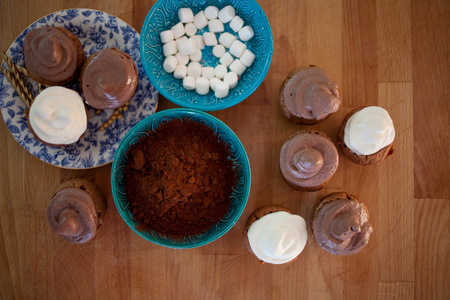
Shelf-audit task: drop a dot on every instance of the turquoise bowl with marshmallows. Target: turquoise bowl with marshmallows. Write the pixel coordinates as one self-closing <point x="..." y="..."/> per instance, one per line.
<point x="164" y="14"/>
<point x="237" y="155"/>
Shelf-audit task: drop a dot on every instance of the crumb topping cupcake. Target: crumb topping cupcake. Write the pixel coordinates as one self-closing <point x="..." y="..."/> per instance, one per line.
<point x="108" y="78"/>
<point x="366" y="135"/>
<point x="308" y="160"/>
<point x="340" y="224"/>
<point x="58" y="116"/>
<point x="53" y="55"/>
<point x="309" y="96"/>
<point x="275" y="235"/>
<point x="76" y="211"/>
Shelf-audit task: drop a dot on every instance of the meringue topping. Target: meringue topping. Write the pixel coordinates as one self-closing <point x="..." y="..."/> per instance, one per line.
<point x="369" y="130"/>
<point x="278" y="237"/>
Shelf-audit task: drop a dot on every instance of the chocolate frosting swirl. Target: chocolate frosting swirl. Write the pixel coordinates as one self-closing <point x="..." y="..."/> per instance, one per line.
<point x="308" y="159"/>
<point x="342" y="226"/>
<point x="72" y="215"/>
<point x="51" y="54"/>
<point x="311" y="94"/>
<point x="108" y="79"/>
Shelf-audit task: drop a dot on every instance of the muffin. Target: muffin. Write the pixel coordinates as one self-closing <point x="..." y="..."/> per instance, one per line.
<point x="275" y="235"/>
<point x="57" y="116"/>
<point x="309" y="96"/>
<point x="108" y="78"/>
<point x="340" y="224"/>
<point x="366" y="135"/>
<point x="308" y="160"/>
<point x="76" y="211"/>
<point x="53" y="55"/>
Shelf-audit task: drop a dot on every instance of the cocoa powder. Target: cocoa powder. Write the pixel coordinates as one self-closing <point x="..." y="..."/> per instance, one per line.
<point x="178" y="179"/>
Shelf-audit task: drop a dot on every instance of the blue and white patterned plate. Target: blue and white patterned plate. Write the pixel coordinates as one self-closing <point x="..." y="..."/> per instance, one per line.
<point x="96" y="30"/>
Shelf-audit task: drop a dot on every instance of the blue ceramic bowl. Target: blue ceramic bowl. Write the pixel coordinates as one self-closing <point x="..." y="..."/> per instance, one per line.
<point x="164" y="14"/>
<point x="237" y="155"/>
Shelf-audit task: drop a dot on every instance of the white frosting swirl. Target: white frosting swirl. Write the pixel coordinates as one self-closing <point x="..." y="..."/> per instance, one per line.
<point x="58" y="116"/>
<point x="369" y="130"/>
<point x="278" y="237"/>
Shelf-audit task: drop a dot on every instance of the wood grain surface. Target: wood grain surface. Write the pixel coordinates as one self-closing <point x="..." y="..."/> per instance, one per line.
<point x="394" y="54"/>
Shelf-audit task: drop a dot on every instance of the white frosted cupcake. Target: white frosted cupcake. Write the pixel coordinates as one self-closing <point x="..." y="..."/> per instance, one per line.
<point x="58" y="116"/>
<point x="275" y="235"/>
<point x="366" y="135"/>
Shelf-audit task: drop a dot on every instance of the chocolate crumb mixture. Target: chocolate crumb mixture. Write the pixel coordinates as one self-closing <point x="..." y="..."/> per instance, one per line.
<point x="178" y="180"/>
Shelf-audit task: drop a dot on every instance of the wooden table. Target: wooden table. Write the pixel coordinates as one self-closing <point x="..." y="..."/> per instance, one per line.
<point x="394" y="54"/>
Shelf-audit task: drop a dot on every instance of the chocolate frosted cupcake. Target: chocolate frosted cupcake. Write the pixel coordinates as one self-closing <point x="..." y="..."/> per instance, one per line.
<point x="108" y="78"/>
<point x="53" y="55"/>
<point x="76" y="211"/>
<point x="309" y="96"/>
<point x="340" y="224"/>
<point x="275" y="235"/>
<point x="366" y="135"/>
<point x="308" y="160"/>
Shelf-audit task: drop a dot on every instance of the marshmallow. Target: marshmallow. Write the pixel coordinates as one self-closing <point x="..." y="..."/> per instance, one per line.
<point x="190" y="29"/>
<point x="226" y="14"/>
<point x="208" y="72"/>
<point x="180" y="72"/>
<point x="178" y="30"/>
<point x="215" y="25"/>
<point x="202" y="85"/>
<point x="226" y="59"/>
<point x="166" y="36"/>
<point x="246" y="33"/>
<point x="185" y="15"/>
<point x="200" y="20"/>
<point x="187" y="46"/>
<point x="170" y="63"/>
<point x="170" y="48"/>
<point x="196" y="56"/>
<point x="236" y="23"/>
<point x="218" y="51"/>
<point x="183" y="59"/>
<point x="220" y="71"/>
<point x="194" y="69"/>
<point x="237" y="48"/>
<point x="213" y="82"/>
<point x="247" y="58"/>
<point x="180" y="39"/>
<point x="227" y="39"/>
<point x="222" y="89"/>
<point x="210" y="38"/>
<point x="237" y="67"/>
<point x="199" y="40"/>
<point x="231" y="78"/>
<point x="189" y="83"/>
<point x="211" y="12"/>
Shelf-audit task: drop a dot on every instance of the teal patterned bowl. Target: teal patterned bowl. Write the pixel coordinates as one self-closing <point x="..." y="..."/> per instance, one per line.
<point x="164" y="14"/>
<point x="237" y="155"/>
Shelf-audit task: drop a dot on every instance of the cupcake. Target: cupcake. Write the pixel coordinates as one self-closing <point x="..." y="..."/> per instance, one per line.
<point x="275" y="235"/>
<point x="57" y="116"/>
<point x="309" y="96"/>
<point x="366" y="135"/>
<point x="76" y="211"/>
<point x="108" y="78"/>
<point x="53" y="55"/>
<point x="340" y="224"/>
<point x="308" y="160"/>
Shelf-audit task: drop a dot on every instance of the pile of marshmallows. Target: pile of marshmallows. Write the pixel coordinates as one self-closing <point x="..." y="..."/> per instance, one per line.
<point x="182" y="49"/>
